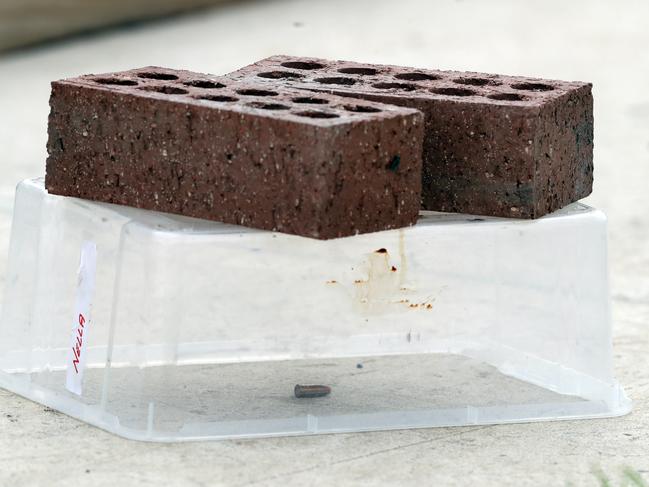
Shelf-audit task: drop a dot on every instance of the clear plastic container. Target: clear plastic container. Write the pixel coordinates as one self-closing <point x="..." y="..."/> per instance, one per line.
<point x="200" y="330"/>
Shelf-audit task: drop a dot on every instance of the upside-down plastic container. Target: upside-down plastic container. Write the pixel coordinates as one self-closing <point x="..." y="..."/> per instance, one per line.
<point x="165" y="328"/>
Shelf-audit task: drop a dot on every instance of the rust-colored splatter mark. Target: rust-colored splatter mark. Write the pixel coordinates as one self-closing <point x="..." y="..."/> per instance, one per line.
<point x="378" y="290"/>
<point x="386" y="284"/>
<point x="333" y="281"/>
<point x="427" y="304"/>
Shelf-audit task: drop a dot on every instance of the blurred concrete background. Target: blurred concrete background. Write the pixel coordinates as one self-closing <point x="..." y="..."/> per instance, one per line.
<point x="596" y="41"/>
<point x="29" y="22"/>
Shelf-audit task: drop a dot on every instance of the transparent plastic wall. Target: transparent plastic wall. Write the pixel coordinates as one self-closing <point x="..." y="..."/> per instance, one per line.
<point x="201" y="330"/>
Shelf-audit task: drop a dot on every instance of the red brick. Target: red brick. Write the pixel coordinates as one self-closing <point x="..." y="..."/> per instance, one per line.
<point x="236" y="152"/>
<point x="493" y="144"/>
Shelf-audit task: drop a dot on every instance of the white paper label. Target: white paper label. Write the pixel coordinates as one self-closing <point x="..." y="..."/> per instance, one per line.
<point x="81" y="323"/>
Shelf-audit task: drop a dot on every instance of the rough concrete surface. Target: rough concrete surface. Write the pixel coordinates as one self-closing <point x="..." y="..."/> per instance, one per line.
<point x="590" y="41"/>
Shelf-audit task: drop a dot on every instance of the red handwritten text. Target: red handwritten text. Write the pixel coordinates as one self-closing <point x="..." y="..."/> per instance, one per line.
<point x="76" y="349"/>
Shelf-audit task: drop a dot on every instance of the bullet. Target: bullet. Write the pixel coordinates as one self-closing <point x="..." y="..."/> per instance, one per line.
<point x="311" y="390"/>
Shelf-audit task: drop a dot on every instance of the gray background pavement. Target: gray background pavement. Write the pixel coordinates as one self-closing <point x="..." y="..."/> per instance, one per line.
<point x="594" y="41"/>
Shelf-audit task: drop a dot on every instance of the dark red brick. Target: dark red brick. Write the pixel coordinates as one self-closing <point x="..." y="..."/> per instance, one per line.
<point x="266" y="157"/>
<point x="493" y="145"/>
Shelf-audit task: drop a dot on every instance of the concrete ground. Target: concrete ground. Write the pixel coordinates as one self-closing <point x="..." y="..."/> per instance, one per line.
<point x="586" y="40"/>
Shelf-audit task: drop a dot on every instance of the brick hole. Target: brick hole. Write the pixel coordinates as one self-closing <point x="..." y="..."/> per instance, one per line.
<point x="222" y="98"/>
<point x="532" y="86"/>
<point x="115" y="81"/>
<point x="336" y="80"/>
<point x="453" y="91"/>
<point x="302" y="65"/>
<point x="166" y="89"/>
<point x="361" y="109"/>
<point x="310" y="99"/>
<point x="474" y="81"/>
<point x="507" y="96"/>
<point x="160" y="76"/>
<point x="361" y="71"/>
<point x="395" y="86"/>
<point x="204" y="83"/>
<point x="267" y="106"/>
<point x="314" y="114"/>
<point x="416" y="76"/>
<point x="280" y="75"/>
<point x="256" y="92"/>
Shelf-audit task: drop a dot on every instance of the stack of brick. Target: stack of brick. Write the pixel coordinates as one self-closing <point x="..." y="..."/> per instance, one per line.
<point x="321" y="148"/>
